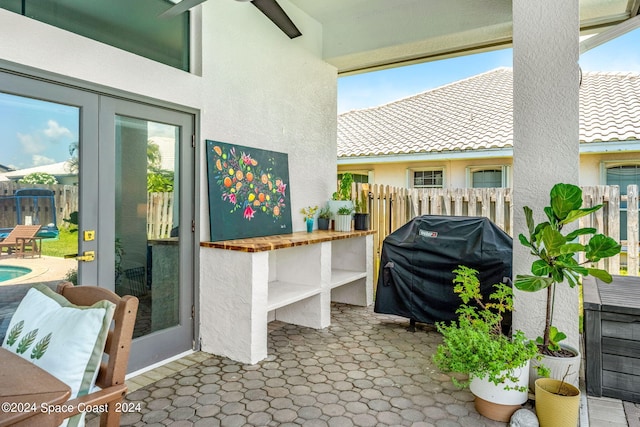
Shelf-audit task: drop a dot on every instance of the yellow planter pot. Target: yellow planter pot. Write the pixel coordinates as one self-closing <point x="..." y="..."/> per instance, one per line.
<point x="557" y="409"/>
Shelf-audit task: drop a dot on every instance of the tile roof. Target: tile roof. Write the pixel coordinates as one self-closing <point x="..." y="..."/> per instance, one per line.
<point x="477" y="113"/>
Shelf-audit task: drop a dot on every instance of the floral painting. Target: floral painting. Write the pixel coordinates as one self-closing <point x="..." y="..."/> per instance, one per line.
<point x="248" y="191"/>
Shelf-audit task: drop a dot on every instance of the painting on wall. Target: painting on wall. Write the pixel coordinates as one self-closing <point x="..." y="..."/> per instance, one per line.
<point x="248" y="191"/>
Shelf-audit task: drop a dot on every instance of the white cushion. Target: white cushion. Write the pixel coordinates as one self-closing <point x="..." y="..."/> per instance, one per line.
<point x="64" y="339"/>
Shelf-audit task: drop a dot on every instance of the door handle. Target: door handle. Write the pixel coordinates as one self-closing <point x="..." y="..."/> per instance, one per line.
<point x="86" y="256"/>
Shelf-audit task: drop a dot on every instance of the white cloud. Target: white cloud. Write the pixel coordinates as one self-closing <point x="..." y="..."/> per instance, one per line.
<point x="31" y="144"/>
<point x="55" y="131"/>
<point x="161" y="130"/>
<point x="39" y="160"/>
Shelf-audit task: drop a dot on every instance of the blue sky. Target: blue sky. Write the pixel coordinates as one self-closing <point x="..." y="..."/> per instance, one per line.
<point x="35" y="133"/>
<point x="380" y="87"/>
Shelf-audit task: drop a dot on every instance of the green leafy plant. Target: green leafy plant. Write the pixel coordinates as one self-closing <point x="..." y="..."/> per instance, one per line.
<point x="72" y="276"/>
<point x="324" y="213"/>
<point x="160" y="181"/>
<point x="475" y="344"/>
<point x="345" y="210"/>
<point x="344" y="189"/>
<point x="556" y="253"/>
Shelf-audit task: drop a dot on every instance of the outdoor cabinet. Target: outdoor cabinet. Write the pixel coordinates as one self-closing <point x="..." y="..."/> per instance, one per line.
<point x="612" y="337"/>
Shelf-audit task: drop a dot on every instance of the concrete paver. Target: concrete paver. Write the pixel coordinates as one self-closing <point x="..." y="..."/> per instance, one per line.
<point x="366" y="369"/>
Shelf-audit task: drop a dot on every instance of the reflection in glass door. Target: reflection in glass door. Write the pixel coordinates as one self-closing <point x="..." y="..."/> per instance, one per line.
<point x="39" y="179"/>
<point x="146" y="227"/>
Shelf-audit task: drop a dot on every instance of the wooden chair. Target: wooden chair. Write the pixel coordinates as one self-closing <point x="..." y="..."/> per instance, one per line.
<point x="112" y="371"/>
<point x="21" y="238"/>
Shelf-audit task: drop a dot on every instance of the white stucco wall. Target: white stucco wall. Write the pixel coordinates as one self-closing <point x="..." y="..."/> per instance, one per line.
<point x="546" y="146"/>
<point x="257" y="88"/>
<point x="264" y="90"/>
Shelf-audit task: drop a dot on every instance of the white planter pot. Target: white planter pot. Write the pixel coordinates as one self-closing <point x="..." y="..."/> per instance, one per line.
<point x="343" y="223"/>
<point x="334" y="205"/>
<point x="491" y="392"/>
<point x="559" y="367"/>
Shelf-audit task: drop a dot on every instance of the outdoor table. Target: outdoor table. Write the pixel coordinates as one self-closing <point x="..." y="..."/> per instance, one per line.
<point x="26" y="389"/>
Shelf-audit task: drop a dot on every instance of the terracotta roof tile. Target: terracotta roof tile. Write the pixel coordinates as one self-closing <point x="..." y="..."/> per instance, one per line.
<point x="477" y="113"/>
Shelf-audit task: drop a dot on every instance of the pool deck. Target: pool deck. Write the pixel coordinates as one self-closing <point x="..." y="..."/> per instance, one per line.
<point x="44" y="269"/>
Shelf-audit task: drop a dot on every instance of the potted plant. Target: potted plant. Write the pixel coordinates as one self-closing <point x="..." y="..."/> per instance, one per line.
<point x="309" y="213"/>
<point x="557" y="403"/>
<point x="557" y="262"/>
<point x="343" y="218"/>
<point x="361" y="217"/>
<point x="497" y="365"/>
<point x="342" y="197"/>
<point x="324" y="217"/>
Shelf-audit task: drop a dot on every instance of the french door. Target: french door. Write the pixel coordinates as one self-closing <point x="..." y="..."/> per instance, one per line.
<point x="124" y="188"/>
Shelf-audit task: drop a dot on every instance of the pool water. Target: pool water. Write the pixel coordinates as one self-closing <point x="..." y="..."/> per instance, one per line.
<point x="8" y="272"/>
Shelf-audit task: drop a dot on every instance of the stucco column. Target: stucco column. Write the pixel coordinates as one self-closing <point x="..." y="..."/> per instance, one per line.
<point x="546" y="138"/>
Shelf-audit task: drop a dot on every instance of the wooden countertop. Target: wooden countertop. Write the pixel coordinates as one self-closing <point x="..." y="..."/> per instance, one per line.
<point x="281" y="241"/>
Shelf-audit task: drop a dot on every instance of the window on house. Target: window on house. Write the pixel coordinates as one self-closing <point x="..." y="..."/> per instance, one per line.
<point x="486" y="178"/>
<point x="623" y="176"/>
<point x="357" y="178"/>
<point x="133" y="26"/>
<point x="428" y="178"/>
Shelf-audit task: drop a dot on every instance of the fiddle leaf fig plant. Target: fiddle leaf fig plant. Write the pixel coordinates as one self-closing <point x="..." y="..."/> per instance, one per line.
<point x="556" y="253"/>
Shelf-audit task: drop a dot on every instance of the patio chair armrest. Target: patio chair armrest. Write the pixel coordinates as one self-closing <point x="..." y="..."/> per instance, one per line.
<point x="90" y="401"/>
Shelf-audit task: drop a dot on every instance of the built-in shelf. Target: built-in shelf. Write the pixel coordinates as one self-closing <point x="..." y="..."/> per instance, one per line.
<point x="291" y="278"/>
<point x="342" y="277"/>
<point x="285" y="293"/>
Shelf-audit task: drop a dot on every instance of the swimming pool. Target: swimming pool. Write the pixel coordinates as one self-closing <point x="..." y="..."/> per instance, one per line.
<point x="8" y="272"/>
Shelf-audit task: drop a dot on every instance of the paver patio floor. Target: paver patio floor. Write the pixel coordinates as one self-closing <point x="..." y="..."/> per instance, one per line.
<point x="365" y="369"/>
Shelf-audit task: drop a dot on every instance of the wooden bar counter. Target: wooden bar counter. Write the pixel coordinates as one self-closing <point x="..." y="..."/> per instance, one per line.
<point x="293" y="278"/>
<point x="282" y="241"/>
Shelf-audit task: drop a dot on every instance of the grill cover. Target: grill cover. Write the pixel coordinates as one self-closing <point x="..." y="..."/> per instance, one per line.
<point x="416" y="279"/>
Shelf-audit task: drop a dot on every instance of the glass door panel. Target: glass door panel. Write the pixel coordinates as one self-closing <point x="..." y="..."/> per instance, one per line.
<point x="146" y="229"/>
<point x="150" y="255"/>
<point x="39" y="183"/>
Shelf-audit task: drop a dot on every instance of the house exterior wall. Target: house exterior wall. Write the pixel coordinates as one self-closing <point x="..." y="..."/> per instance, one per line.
<point x="252" y="86"/>
<point x="395" y="174"/>
<point x="399" y="174"/>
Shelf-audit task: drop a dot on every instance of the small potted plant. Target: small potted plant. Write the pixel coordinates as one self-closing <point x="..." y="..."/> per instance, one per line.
<point x="343" y="218"/>
<point x="361" y="217"/>
<point x="309" y="214"/>
<point x="324" y="217"/>
<point x="496" y="365"/>
<point x="557" y="262"/>
<point x="557" y="402"/>
<point x="342" y="197"/>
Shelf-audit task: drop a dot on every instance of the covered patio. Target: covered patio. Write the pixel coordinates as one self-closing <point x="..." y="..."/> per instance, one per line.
<point x="251" y="85"/>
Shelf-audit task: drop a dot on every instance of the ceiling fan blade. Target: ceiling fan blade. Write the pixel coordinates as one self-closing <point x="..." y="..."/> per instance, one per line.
<point x="181" y="7"/>
<point x="278" y="16"/>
